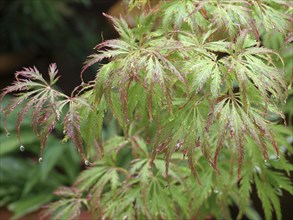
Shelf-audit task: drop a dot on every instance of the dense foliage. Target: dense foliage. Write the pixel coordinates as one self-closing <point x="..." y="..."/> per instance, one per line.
<point x="26" y="185"/>
<point x="195" y="93"/>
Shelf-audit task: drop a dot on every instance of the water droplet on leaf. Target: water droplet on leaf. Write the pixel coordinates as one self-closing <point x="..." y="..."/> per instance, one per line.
<point x="21" y="148"/>
<point x="40" y="160"/>
<point x="257" y="169"/>
<point x="279" y="191"/>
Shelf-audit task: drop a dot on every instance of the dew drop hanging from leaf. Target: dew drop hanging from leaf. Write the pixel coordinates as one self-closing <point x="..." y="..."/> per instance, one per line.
<point x="87" y="163"/>
<point x="21" y="148"/>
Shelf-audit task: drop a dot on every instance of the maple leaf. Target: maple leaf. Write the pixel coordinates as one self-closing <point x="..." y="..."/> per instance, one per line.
<point x="40" y="98"/>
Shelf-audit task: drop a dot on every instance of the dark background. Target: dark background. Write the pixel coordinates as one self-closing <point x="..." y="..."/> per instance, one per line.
<point x="30" y="36"/>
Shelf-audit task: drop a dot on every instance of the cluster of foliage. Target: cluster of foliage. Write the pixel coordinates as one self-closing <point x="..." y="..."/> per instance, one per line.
<point x="195" y="98"/>
<point x="26" y="185"/>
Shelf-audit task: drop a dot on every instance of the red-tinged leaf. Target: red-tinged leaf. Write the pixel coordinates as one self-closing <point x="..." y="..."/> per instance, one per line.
<point x="92" y="127"/>
<point x="220" y="142"/>
<point x="72" y="130"/>
<point x="9" y="108"/>
<point x="39" y="97"/>
<point x="150" y="101"/>
<point x="243" y="87"/>
<point x="114" y="44"/>
<point x="47" y="127"/>
<point x="66" y="208"/>
<point x="168" y="65"/>
<point x="53" y="71"/>
<point x="275" y="147"/>
<point x="121" y="27"/>
<point x="93" y="59"/>
<point x="124" y="99"/>
<point x="30" y="73"/>
<point x="157" y="148"/>
<point x="101" y="79"/>
<point x="67" y="192"/>
<point x="10" y="89"/>
<point x="170" y="149"/>
<point x="211" y="116"/>
<point x="241" y="39"/>
<point x="240" y="150"/>
<point x="98" y="144"/>
<point x="37" y="114"/>
<point x="207" y="154"/>
<point x="192" y="162"/>
<point x="23" y="113"/>
<point x="263" y="148"/>
<point x="115" y="106"/>
<point x="76" y="210"/>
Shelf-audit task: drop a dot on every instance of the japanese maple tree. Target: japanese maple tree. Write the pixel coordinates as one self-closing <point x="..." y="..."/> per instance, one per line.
<point x="196" y="98"/>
